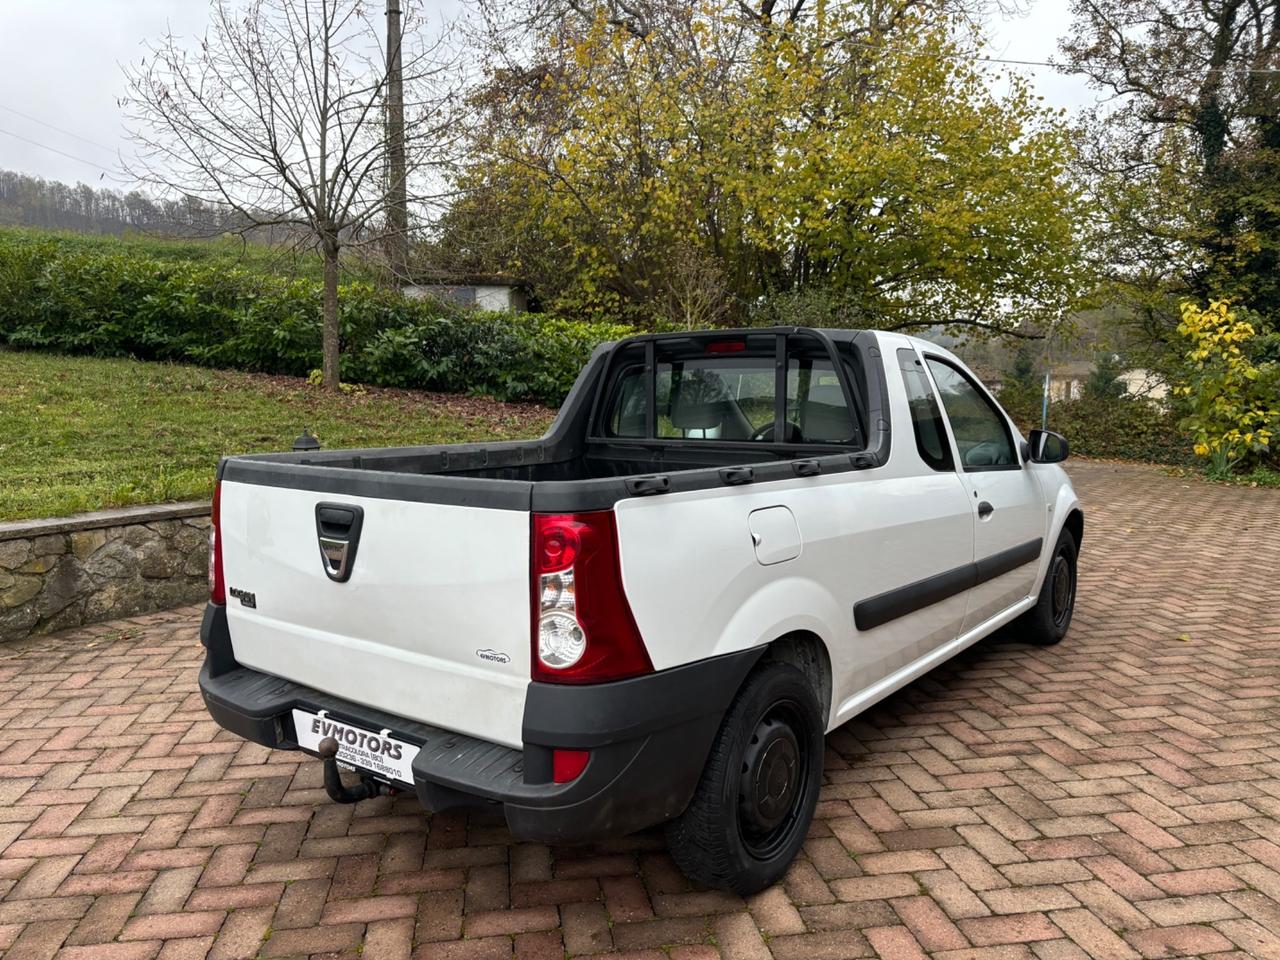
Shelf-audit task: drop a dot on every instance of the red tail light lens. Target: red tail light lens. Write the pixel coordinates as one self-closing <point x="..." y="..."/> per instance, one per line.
<point x="559" y="540"/>
<point x="583" y="628"/>
<point x="567" y="765"/>
<point x="217" y="583"/>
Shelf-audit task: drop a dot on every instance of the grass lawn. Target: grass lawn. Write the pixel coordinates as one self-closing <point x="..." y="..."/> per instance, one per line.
<point x="81" y="434"/>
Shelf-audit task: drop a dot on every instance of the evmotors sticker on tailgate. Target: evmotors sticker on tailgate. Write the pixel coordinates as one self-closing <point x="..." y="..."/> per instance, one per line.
<point x="377" y="753"/>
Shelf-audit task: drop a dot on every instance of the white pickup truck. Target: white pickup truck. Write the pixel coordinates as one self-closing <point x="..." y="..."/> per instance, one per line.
<point x="727" y="544"/>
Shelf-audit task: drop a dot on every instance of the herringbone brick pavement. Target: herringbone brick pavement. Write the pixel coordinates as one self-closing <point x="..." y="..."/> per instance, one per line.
<point x="1115" y="796"/>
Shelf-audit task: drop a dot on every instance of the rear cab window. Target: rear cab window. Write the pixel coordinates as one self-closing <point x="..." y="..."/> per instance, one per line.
<point x="729" y="391"/>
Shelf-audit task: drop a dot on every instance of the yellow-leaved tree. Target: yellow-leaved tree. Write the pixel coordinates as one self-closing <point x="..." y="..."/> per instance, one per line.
<point x="830" y="167"/>
<point x="1233" y="401"/>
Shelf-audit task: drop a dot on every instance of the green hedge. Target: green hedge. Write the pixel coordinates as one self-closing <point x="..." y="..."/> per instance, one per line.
<point x="1113" y="428"/>
<point x="53" y="297"/>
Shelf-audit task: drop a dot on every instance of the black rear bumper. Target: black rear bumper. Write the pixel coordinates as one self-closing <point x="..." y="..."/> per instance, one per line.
<point x="648" y="736"/>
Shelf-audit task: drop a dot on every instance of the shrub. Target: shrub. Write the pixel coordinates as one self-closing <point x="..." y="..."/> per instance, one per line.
<point x="59" y="297"/>
<point x="1233" y="400"/>
<point x="1113" y="428"/>
<point x="1120" y="428"/>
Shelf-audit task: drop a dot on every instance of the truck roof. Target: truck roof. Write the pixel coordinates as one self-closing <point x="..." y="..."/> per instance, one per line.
<point x="832" y="334"/>
<point x="720" y="333"/>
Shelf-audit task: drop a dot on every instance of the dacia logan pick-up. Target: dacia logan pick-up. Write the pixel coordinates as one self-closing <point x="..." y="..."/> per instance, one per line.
<point x="727" y="544"/>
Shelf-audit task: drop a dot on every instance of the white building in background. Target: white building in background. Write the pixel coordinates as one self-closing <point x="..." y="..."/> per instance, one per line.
<point x="1066" y="380"/>
<point x="1144" y="383"/>
<point x="480" y="293"/>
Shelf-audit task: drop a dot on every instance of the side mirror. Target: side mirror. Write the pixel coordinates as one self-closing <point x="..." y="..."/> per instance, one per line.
<point x="1047" y="446"/>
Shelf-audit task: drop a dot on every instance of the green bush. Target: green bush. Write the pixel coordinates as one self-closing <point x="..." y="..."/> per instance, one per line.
<point x="1113" y="428"/>
<point x="1121" y="428"/>
<point x="58" y="297"/>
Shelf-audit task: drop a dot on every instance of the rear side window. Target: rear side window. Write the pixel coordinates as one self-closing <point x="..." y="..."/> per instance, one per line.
<point x="982" y="436"/>
<point x="628" y="402"/>
<point x="926" y="416"/>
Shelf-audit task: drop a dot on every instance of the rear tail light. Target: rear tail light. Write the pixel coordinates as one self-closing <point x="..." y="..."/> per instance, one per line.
<point x="583" y="629"/>
<point x="217" y="583"/>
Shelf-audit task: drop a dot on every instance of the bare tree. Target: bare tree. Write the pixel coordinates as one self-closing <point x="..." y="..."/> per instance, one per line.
<point x="277" y="116"/>
<point x="694" y="288"/>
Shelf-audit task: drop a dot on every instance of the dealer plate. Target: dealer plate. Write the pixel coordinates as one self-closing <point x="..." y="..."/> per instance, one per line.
<point x="371" y="751"/>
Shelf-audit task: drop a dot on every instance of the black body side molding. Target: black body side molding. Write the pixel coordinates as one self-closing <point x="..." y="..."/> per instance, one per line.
<point x="892" y="604"/>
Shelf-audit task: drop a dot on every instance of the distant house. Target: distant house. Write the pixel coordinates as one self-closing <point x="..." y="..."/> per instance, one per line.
<point x="1144" y="383"/>
<point x="1068" y="379"/>
<point x="478" y="292"/>
<point x="1066" y="382"/>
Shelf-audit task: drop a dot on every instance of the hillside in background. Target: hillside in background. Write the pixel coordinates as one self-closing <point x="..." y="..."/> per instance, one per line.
<point x="34" y="202"/>
<point x="215" y="251"/>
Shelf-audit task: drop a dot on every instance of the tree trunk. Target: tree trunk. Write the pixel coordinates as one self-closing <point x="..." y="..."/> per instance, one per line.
<point x="332" y="374"/>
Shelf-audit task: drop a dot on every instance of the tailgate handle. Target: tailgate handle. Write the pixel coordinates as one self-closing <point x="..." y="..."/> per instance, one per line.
<point x="338" y="531"/>
<point x="334" y="521"/>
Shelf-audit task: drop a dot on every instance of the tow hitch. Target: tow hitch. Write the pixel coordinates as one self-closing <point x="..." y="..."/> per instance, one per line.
<point x="338" y="793"/>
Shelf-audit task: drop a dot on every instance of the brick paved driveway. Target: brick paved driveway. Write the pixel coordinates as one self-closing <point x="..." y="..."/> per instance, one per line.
<point x="1117" y="796"/>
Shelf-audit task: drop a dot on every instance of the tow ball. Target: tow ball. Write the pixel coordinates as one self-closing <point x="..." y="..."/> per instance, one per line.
<point x="338" y="793"/>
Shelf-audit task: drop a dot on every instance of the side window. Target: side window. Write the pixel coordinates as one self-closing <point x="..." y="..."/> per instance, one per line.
<point x="981" y="433"/>
<point x="629" y="403"/>
<point x="926" y="418"/>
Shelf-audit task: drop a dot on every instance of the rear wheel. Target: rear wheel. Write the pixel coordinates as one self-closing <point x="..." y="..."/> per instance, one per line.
<point x="755" y="801"/>
<point x="1048" y="621"/>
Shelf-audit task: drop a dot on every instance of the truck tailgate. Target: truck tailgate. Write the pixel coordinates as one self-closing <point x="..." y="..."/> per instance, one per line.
<point x="433" y="623"/>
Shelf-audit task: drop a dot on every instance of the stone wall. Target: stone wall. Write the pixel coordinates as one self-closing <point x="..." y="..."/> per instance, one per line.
<point x="68" y="571"/>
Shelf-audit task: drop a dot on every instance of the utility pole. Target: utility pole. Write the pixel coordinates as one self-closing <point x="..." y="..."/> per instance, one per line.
<point x="397" y="202"/>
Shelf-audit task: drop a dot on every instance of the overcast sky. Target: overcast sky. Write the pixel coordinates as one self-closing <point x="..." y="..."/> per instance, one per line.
<point x="60" y="68"/>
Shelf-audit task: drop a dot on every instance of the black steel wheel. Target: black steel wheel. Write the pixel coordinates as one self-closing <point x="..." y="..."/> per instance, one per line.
<point x="1062" y="582"/>
<point x="752" y="808"/>
<point x="1048" y="621"/>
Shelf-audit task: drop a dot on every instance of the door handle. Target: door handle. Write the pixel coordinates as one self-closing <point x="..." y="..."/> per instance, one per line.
<point x="985" y="509"/>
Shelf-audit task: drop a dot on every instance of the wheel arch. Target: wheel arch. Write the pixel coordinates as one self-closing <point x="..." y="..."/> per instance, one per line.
<point x="807" y="652"/>
<point x="1075" y="523"/>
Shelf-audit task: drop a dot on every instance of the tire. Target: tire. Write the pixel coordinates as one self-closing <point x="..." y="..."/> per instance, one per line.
<point x="742" y="840"/>
<point x="1049" y="620"/>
